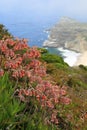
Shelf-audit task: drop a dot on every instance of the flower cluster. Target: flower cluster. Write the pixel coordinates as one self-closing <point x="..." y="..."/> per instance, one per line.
<point x="48" y="96"/>
<point x="22" y="62"/>
<point x="13" y="64"/>
<point x="19" y="46"/>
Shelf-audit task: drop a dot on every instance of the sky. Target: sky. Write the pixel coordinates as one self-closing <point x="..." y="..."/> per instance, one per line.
<point x="16" y="10"/>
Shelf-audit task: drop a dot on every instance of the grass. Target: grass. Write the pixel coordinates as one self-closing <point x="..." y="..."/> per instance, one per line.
<point x="76" y="80"/>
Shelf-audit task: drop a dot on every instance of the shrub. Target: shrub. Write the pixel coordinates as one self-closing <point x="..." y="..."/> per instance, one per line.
<point x="31" y="83"/>
<point x="83" y="67"/>
<point x="43" y="50"/>
<point x="4" y="32"/>
<point x="52" y="58"/>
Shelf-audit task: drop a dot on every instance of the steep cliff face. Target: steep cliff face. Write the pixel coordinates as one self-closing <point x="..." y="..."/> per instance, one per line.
<point x="68" y="33"/>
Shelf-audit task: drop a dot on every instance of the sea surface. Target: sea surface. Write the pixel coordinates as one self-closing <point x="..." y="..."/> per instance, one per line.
<point x="36" y="34"/>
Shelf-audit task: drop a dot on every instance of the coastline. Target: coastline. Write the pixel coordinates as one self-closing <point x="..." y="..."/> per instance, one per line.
<point x="82" y="59"/>
<point x="73" y="58"/>
<point x="69" y="37"/>
<point x="69" y="56"/>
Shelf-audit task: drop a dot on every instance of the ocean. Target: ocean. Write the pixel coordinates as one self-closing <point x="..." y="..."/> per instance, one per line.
<point x="36" y="34"/>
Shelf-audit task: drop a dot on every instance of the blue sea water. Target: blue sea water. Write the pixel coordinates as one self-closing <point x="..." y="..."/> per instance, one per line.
<point x="37" y="33"/>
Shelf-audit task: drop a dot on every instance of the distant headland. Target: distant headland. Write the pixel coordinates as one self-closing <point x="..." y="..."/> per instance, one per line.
<point x="69" y="34"/>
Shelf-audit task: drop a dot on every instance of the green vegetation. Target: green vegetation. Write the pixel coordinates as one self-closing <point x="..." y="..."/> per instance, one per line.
<point x="13" y="114"/>
<point x="30" y="86"/>
<point x="4" y="32"/>
<point x="76" y="79"/>
<point x="53" y="59"/>
<point x="10" y="108"/>
<point x="22" y="112"/>
<point x="50" y="58"/>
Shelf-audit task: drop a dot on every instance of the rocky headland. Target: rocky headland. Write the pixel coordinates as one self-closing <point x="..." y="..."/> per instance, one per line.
<point x="69" y="34"/>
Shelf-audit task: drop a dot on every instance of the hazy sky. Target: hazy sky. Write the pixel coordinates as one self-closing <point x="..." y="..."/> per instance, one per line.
<point x="39" y="9"/>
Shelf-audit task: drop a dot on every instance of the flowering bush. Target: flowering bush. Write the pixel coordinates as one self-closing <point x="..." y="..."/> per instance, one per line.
<point x="4" y="32"/>
<point x="24" y="66"/>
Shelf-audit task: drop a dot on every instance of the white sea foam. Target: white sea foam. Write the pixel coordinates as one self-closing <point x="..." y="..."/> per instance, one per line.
<point x="70" y="56"/>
